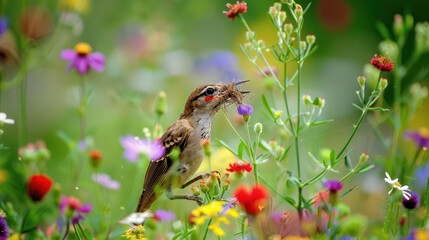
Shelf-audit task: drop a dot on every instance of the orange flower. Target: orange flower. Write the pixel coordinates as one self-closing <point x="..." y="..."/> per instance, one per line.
<point x="235" y="9"/>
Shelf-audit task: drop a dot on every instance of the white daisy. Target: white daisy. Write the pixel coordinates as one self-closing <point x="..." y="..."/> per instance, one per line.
<point x="137" y="218"/>
<point x="396" y="185"/>
<point x="3" y="119"/>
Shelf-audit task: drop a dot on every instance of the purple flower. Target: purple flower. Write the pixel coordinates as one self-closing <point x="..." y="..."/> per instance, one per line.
<point x="421" y="137"/>
<point x="333" y="186"/>
<point x="162" y="215"/>
<point x="135" y="146"/>
<point x="245" y="109"/>
<point x="105" y="181"/>
<point x="74" y="208"/>
<point x="412" y="202"/>
<point x="4" y="24"/>
<point x="82" y="59"/>
<point x="421" y="176"/>
<point x="4" y="229"/>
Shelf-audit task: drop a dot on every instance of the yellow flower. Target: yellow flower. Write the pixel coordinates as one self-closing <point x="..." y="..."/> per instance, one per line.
<point x="217" y="211"/>
<point x="80" y="6"/>
<point x="135" y="233"/>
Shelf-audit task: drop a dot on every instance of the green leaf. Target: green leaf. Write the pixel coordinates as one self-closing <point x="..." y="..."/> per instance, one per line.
<point x="348" y="163"/>
<point x="365" y="168"/>
<point x="383" y="30"/>
<point x="285" y="154"/>
<point x="379" y="109"/>
<point x="267" y="106"/>
<point x="332" y="157"/>
<point x="263" y="158"/>
<point x="225" y="145"/>
<point x="318" y="123"/>
<point x="320" y="163"/>
<point x="240" y="150"/>
<point x="347" y="192"/>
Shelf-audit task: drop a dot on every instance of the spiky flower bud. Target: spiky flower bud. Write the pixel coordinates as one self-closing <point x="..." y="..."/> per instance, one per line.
<point x="258" y="128"/>
<point x="273" y="12"/>
<point x="299" y="12"/>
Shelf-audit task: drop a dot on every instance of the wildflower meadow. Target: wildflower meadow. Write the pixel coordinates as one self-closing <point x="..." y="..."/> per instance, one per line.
<point x="311" y="119"/>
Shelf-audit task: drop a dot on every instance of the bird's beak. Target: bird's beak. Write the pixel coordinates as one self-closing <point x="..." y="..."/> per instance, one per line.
<point x="241" y="82"/>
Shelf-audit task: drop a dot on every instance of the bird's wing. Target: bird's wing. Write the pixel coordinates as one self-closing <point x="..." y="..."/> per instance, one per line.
<point x="155" y="178"/>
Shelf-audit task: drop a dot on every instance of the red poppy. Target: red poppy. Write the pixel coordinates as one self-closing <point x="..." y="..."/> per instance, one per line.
<point x="382" y="63"/>
<point x="252" y="200"/>
<point x="239" y="167"/>
<point x="235" y="9"/>
<point x="38" y="187"/>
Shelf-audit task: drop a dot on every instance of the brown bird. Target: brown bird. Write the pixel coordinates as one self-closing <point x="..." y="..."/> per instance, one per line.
<point x="185" y="135"/>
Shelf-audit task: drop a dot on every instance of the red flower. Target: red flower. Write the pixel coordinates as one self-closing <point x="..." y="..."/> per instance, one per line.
<point x="252" y="200"/>
<point x="38" y="187"/>
<point x="235" y="9"/>
<point x="239" y="167"/>
<point x="382" y="63"/>
<point x="95" y="157"/>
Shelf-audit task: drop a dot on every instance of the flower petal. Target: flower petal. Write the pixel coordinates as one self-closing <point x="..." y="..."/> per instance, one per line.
<point x="96" y="61"/>
<point x="86" y="208"/>
<point x="68" y="55"/>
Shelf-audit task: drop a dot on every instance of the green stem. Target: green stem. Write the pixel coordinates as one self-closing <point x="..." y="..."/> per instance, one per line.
<point x="67" y="230"/>
<point x="83" y="232"/>
<point x="373" y="97"/>
<point x="207" y="229"/>
<point x="76" y="231"/>
<point x="82" y="110"/>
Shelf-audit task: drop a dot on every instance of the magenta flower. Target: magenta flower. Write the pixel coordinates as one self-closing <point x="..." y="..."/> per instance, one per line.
<point x="162" y="215"/>
<point x="71" y="207"/>
<point x="333" y="186"/>
<point x="105" y="181"/>
<point x="421" y="137"/>
<point x="81" y="59"/>
<point x="135" y="146"/>
<point x="245" y="109"/>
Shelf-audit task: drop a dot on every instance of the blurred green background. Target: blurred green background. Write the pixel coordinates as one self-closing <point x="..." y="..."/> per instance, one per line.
<point x="174" y="46"/>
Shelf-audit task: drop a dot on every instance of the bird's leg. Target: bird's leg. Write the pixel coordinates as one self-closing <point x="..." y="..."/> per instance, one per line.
<point x="200" y="177"/>
<point x="171" y="196"/>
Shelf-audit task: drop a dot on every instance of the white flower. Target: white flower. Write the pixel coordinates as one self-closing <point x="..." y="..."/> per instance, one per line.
<point x="137" y="218"/>
<point x="3" y="119"/>
<point x="396" y="185"/>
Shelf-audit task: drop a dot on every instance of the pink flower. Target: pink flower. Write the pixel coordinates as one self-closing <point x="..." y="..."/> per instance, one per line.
<point x="72" y="208"/>
<point x="81" y="59"/>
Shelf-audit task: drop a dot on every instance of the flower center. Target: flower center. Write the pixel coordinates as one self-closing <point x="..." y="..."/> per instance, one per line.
<point x="83" y="49"/>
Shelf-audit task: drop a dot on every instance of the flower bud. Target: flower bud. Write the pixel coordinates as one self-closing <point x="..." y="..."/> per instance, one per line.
<point x="261" y="44"/>
<point x="299" y="12"/>
<point x="402" y="220"/>
<point x="161" y="104"/>
<point x="288" y="28"/>
<point x="258" y="128"/>
<point x="281" y="17"/>
<point x="195" y="190"/>
<point x="311" y="39"/>
<point x="409" y="21"/>
<point x="248" y="46"/>
<point x="361" y="80"/>
<point x="250" y="36"/>
<point x="277" y="6"/>
<point x="303" y="45"/>
<point x="307" y="100"/>
<point x="383" y="84"/>
<point x="205" y="143"/>
<point x="398" y="25"/>
<point x="277" y="114"/>
<point x="363" y="158"/>
<point x="95" y="158"/>
<point x="203" y="186"/>
<point x="273" y="12"/>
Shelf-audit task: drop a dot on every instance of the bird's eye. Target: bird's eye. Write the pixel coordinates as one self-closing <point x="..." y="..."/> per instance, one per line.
<point x="209" y="91"/>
